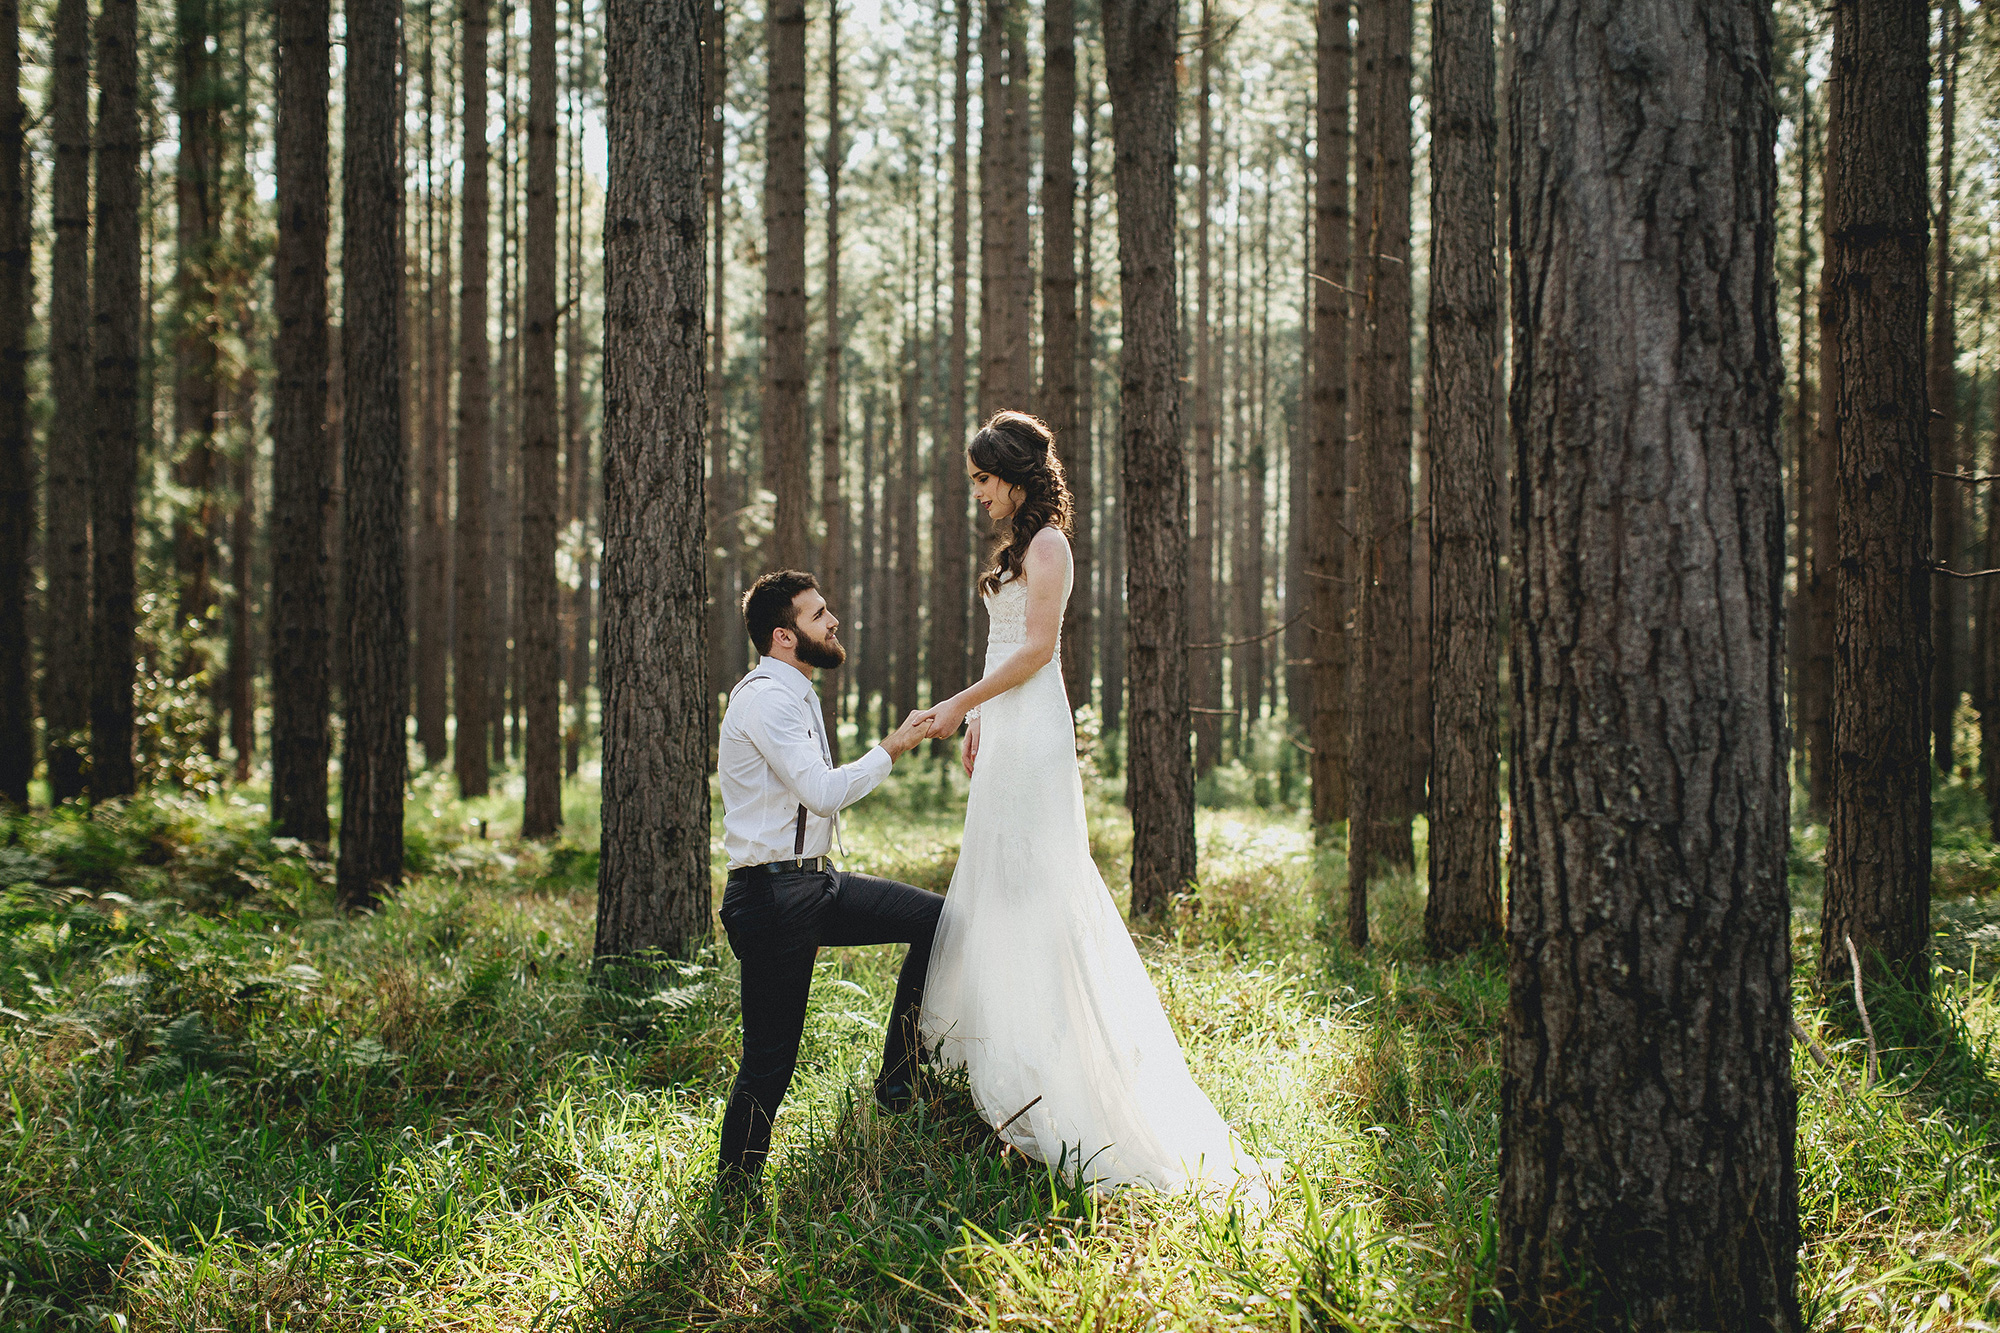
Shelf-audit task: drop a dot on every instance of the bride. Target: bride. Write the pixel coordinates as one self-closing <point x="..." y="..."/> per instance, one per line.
<point x="1035" y="988"/>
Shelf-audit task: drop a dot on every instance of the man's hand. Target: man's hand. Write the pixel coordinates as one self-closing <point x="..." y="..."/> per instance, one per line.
<point x="970" y="750"/>
<point x="915" y="728"/>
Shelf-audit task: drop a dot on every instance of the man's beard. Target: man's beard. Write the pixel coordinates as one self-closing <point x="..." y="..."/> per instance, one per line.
<point x="821" y="653"/>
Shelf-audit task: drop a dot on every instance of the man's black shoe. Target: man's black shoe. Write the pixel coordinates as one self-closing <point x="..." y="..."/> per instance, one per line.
<point x="896" y="1095"/>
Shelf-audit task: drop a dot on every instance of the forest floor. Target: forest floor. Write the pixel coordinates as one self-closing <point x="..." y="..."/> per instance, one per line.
<point x="230" y="1107"/>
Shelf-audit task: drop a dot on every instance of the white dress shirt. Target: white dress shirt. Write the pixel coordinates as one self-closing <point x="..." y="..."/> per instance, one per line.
<point x="773" y="758"/>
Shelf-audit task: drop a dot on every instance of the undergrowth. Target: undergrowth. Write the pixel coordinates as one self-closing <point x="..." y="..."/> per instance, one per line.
<point x="230" y="1107"/>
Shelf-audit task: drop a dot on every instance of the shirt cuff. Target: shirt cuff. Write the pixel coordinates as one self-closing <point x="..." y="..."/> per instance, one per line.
<point x="876" y="762"/>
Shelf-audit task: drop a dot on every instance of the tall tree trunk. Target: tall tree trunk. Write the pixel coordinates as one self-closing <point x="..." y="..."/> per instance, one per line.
<point x="1327" y="541"/>
<point x="540" y="637"/>
<point x="301" y="462"/>
<point x="785" y="450"/>
<point x="833" y="503"/>
<point x="472" y="551"/>
<point x="1205" y="668"/>
<point x="951" y="561"/>
<point x="652" y="883"/>
<point x="115" y="298"/>
<point x="1380" y="720"/>
<point x="1798" y="619"/>
<point x="17" y="466"/>
<point x="995" y="281"/>
<point x="1989" y="642"/>
<point x="196" y="239"/>
<point x="1298" y="637"/>
<point x="1059" y="314"/>
<point x="1140" y="45"/>
<point x="1647" y="907"/>
<point x="1020" y="271"/>
<point x="66" y="642"/>
<point x="1878" y="852"/>
<point x="433" y="554"/>
<point x="1082" y="624"/>
<point x="725" y="631"/>
<point x="375" y="695"/>
<point x="1943" y="424"/>
<point x="1464" y="338"/>
<point x="907" y="578"/>
<point x="576" y="441"/>
<point x="1822" y="503"/>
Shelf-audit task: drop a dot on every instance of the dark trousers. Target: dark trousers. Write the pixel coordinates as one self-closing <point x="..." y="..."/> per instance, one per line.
<point x="776" y="925"/>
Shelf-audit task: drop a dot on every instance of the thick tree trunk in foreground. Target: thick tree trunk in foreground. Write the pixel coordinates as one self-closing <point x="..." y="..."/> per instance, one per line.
<point x="17" y="468"/>
<point x="1328" y="594"/>
<point x="1139" y="39"/>
<point x="1464" y="324"/>
<point x="301" y="463"/>
<point x="66" y="641"/>
<point x="1878" y="852"/>
<point x="115" y="346"/>
<point x="541" y="652"/>
<point x="785" y="451"/>
<point x="1379" y="685"/>
<point x="375" y="690"/>
<point x="652" y="884"/>
<point x="471" y="699"/>
<point x="1647" y="906"/>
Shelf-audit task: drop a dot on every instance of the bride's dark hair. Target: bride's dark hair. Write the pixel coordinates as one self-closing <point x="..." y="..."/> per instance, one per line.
<point x="1021" y="451"/>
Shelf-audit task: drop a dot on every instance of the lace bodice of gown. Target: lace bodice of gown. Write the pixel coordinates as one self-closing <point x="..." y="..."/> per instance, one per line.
<point x="1007" y="611"/>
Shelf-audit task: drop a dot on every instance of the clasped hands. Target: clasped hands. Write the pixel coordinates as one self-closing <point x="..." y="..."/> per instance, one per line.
<point x="933" y="723"/>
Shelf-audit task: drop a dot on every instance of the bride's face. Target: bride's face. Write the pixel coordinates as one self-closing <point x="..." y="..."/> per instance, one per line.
<point x="998" y="498"/>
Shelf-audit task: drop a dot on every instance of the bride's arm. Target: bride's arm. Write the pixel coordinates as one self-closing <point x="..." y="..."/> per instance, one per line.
<point x="1046" y="566"/>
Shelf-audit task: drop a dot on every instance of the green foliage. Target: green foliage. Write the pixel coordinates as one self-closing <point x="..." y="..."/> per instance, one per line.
<point x="229" y="1106"/>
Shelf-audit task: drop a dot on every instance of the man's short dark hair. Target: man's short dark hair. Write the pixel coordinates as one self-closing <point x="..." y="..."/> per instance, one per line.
<point x="768" y="605"/>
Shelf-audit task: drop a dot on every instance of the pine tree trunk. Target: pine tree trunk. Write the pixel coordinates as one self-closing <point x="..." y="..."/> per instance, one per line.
<point x="1116" y="538"/>
<point x="1822" y="514"/>
<point x="433" y="555"/>
<point x="1798" y="616"/>
<point x="1058" y="398"/>
<point x="540" y="631"/>
<point x="833" y="504"/>
<point x="576" y="442"/>
<point x="1380" y="708"/>
<point x="301" y="461"/>
<point x="1647" y="903"/>
<point x="1943" y="424"/>
<point x="725" y="630"/>
<point x="17" y="465"/>
<point x="1878" y="852"/>
<point x="472" y="554"/>
<point x="66" y="564"/>
<point x="652" y="887"/>
<point x="1464" y="337"/>
<point x="1020" y="270"/>
<point x="1204" y="667"/>
<point x="196" y="236"/>
<point x="1082" y="623"/>
<point x="951" y="560"/>
<point x="116" y="298"/>
<point x="994" y="257"/>
<point x="1329" y="584"/>
<point x="785" y="451"/>
<point x="1140" y="42"/>
<point x="907" y="578"/>
<point x="1298" y="636"/>
<point x="375" y="697"/>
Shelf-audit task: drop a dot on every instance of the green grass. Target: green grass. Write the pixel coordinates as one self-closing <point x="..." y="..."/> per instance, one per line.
<point x="228" y="1107"/>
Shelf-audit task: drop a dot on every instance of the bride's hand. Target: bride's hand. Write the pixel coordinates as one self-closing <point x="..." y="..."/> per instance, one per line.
<point x="970" y="751"/>
<point x="946" y="718"/>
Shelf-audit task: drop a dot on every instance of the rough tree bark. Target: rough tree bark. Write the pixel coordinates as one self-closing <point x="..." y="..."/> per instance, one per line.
<point x="1327" y="546"/>
<point x="1379" y="685"/>
<point x="1059" y="364"/>
<point x="1821" y="516"/>
<point x="1878" y="851"/>
<point x="471" y="700"/>
<point x="66" y="643"/>
<point x="433" y="553"/>
<point x="833" y="503"/>
<point x="375" y="690"/>
<point x="1798" y="618"/>
<point x="541" y="651"/>
<point x="301" y="465"/>
<point x="1647" y="905"/>
<point x="1082" y="624"/>
<point x="785" y="449"/>
<point x="652" y="884"/>
<point x="725" y="626"/>
<point x="1464" y="337"/>
<point x="17" y="466"/>
<point x="1205" y="668"/>
<point x="1943" y="425"/>
<point x="115" y="346"/>
<point x="196" y="235"/>
<point x="1140" y="41"/>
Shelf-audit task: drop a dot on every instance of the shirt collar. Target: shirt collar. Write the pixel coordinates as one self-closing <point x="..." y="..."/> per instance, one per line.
<point x="785" y="672"/>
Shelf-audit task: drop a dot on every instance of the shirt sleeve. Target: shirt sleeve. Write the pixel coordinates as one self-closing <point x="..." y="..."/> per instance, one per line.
<point x="777" y="727"/>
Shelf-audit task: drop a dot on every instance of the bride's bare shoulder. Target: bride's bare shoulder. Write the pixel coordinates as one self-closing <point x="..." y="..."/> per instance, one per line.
<point x="1050" y="539"/>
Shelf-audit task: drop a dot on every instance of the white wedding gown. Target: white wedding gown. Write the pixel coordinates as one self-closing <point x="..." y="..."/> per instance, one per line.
<point x="1035" y="988"/>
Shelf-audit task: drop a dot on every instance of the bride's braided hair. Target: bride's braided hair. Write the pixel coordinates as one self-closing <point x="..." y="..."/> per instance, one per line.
<point x="1020" y="450"/>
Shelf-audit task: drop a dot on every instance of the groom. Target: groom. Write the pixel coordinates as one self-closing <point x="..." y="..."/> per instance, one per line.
<point x="781" y="800"/>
